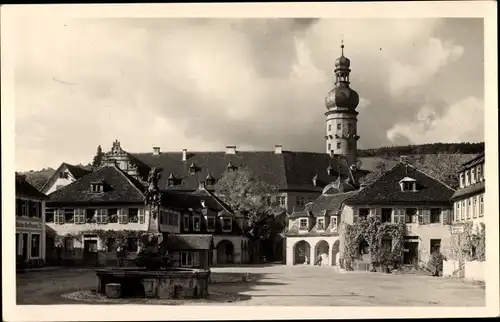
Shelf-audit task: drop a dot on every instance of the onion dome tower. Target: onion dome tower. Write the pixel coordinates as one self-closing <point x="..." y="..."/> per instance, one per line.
<point x="341" y="116"/>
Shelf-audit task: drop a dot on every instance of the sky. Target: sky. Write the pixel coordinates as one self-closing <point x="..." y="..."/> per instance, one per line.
<point x="202" y="84"/>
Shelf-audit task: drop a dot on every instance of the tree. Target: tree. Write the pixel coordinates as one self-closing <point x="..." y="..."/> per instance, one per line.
<point x="442" y="166"/>
<point x="98" y="157"/>
<point x="251" y="197"/>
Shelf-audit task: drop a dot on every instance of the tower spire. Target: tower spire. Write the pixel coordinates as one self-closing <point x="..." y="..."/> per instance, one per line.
<point x="342" y="44"/>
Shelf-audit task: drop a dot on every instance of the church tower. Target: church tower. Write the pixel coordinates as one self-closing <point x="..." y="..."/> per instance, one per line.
<point x="341" y="116"/>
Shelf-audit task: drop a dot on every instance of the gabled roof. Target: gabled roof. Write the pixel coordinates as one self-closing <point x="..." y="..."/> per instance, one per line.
<point x="120" y="188"/>
<point x="386" y="189"/>
<point x="211" y="201"/>
<point x="25" y="190"/>
<point x="76" y="171"/>
<point x="287" y="170"/>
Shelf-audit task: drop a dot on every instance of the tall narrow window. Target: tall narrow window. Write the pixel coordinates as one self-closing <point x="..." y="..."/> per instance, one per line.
<point x="339" y="145"/>
<point x="69" y="216"/>
<point x="35" y="245"/>
<point x="211" y="223"/>
<point x="474" y="207"/>
<point x="142" y="216"/>
<point x="386" y="214"/>
<point x="468" y="209"/>
<point x="196" y="223"/>
<point x="339" y="126"/>
<point x="329" y="127"/>
<point x="321" y="224"/>
<point x="457" y="212"/>
<point x="363" y="212"/>
<point x="479" y="173"/>
<point x="462" y="212"/>
<point x="467" y="178"/>
<point x="462" y="181"/>
<point x="411" y="215"/>
<point x="186" y="223"/>
<point x="435" y="246"/>
<point x="481" y="206"/>
<point x="435" y="215"/>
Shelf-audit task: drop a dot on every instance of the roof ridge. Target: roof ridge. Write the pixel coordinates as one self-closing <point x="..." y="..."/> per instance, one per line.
<point x="432" y="177"/>
<point x="48" y="180"/>
<point x="82" y="177"/>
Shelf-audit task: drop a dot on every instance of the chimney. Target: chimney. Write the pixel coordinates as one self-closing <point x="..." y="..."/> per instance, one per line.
<point x="201" y="184"/>
<point x="184" y="154"/>
<point x="403" y="159"/>
<point x="278" y="149"/>
<point x="230" y="149"/>
<point x="156" y="150"/>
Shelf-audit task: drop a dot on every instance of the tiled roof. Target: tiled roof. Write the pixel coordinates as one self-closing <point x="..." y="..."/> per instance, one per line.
<point x="119" y="188"/>
<point x="26" y="190"/>
<point x="76" y="171"/>
<point x="469" y="190"/>
<point x="478" y="159"/>
<point x="211" y="201"/>
<point x="287" y="170"/>
<point x="386" y="189"/>
<point x="189" y="242"/>
<point x="331" y="203"/>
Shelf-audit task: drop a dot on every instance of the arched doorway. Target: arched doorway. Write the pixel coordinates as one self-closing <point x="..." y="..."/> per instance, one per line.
<point x="302" y="253"/>
<point x="225" y="252"/>
<point x="335" y="251"/>
<point x="322" y="250"/>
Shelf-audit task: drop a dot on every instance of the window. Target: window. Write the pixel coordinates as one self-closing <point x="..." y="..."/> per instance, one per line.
<point x="132" y="244"/>
<point x="411" y="215"/>
<point x="300" y="201"/>
<point x="363" y="212"/>
<point x="468" y="208"/>
<point x="170" y="218"/>
<point x="281" y="200"/>
<point x="473" y="175"/>
<point x="79" y="216"/>
<point x="113" y="215"/>
<point x="90" y="216"/>
<point x="175" y="219"/>
<point x="339" y="145"/>
<point x="481" y="206"/>
<point x="333" y="225"/>
<point x="141" y="216"/>
<point x="321" y="224"/>
<point x="196" y="223"/>
<point x="102" y="216"/>
<point x="96" y="187"/>
<point x="34" y="209"/>
<point x="386" y="215"/>
<point x="133" y="216"/>
<point x="63" y="175"/>
<point x="329" y="147"/>
<point x="339" y="126"/>
<point x="186" y="222"/>
<point x="329" y="127"/>
<point x="162" y="217"/>
<point x="110" y="244"/>
<point x="457" y="212"/>
<point x="59" y="216"/>
<point x="479" y="173"/>
<point x="474" y="207"/>
<point x="68" y="244"/>
<point x="187" y="259"/>
<point x="467" y="182"/>
<point x="211" y="223"/>
<point x="226" y="224"/>
<point x="435" y="215"/>
<point x="408" y="186"/>
<point x="69" y="216"/>
<point x="49" y="215"/>
<point x="435" y="246"/>
<point x="462" y="182"/>
<point x="303" y="224"/>
<point x="24" y="208"/>
<point x="35" y="245"/>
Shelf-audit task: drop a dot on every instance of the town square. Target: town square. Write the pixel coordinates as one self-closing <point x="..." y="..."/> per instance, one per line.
<point x="317" y="162"/>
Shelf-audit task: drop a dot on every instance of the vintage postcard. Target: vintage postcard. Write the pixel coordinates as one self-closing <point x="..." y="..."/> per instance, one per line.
<point x="314" y="160"/>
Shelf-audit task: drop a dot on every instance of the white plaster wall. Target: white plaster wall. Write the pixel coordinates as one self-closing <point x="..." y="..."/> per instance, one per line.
<point x="60" y="181"/>
<point x="449" y="267"/>
<point x="426" y="233"/>
<point x="312" y="241"/>
<point x="474" y="271"/>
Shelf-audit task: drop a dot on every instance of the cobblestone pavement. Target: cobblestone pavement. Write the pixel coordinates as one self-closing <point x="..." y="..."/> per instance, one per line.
<point x="280" y="285"/>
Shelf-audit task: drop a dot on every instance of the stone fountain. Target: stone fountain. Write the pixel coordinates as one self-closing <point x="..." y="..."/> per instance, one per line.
<point x="154" y="277"/>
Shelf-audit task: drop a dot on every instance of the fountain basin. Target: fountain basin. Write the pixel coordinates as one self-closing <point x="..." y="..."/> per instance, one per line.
<point x="162" y="284"/>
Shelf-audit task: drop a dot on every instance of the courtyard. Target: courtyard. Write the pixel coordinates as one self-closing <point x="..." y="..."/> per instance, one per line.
<point x="275" y="285"/>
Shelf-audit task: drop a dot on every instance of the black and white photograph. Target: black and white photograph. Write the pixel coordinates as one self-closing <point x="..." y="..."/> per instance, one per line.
<point x="273" y="160"/>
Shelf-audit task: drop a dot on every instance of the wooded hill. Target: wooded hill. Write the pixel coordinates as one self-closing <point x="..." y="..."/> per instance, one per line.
<point x="432" y="148"/>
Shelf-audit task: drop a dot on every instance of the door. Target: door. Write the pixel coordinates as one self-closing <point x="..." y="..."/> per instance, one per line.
<point x="25" y="247"/>
<point x="410" y="256"/>
<point x="90" y="252"/>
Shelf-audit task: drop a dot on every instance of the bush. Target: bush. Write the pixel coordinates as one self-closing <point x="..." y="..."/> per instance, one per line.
<point x="436" y="263"/>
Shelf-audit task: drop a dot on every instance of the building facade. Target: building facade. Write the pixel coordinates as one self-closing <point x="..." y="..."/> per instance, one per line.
<point x="30" y="228"/>
<point x="468" y="200"/>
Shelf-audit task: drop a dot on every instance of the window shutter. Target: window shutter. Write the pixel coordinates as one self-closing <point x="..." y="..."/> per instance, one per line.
<point x="104" y="214"/>
<point x="141" y="216"/>
<point x="446" y="216"/>
<point x="124" y="215"/>
<point x="395" y="215"/>
<point x="402" y="215"/>
<point x="196" y="258"/>
<point x="420" y="215"/>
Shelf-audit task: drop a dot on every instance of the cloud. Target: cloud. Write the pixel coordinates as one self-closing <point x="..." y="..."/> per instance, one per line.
<point x="203" y="83"/>
<point x="463" y="121"/>
<point x="430" y="60"/>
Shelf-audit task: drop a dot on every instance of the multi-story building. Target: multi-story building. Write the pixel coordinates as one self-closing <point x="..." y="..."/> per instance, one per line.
<point x="64" y="175"/>
<point x="30" y="228"/>
<point x="468" y="200"/>
<point x="402" y="194"/>
<point x="89" y="218"/>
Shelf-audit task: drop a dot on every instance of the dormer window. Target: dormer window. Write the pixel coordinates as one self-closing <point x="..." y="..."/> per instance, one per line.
<point x="192" y="169"/>
<point x="230" y="167"/>
<point x="97" y="187"/>
<point x="210" y="181"/>
<point x="63" y="175"/>
<point x="315" y="180"/>
<point x="408" y="184"/>
<point x="462" y="182"/>
<point x="171" y="180"/>
<point x="321" y="224"/>
<point x="329" y="170"/>
<point x="227" y="224"/>
<point x="303" y="223"/>
<point x="467" y="179"/>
